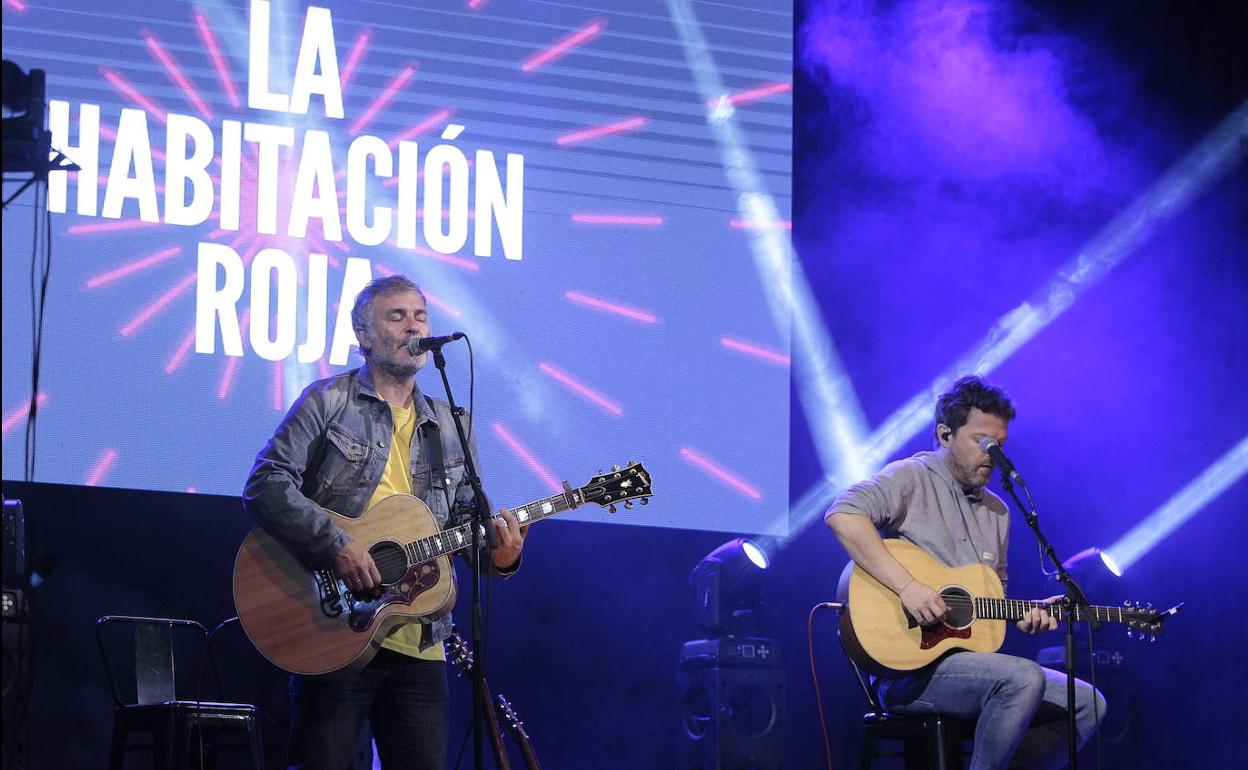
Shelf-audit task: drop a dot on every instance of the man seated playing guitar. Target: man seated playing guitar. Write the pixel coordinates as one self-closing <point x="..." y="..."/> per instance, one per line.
<point x="938" y="501"/>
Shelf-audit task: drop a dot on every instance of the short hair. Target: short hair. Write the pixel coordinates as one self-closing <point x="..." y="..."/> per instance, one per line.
<point x="362" y="310"/>
<point x="971" y="392"/>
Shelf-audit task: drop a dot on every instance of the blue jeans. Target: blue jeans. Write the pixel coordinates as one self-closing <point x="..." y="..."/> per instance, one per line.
<point x="1021" y="707"/>
<point x="405" y="699"/>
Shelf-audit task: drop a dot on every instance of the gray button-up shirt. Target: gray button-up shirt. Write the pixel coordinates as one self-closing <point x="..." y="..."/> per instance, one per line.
<point x="917" y="499"/>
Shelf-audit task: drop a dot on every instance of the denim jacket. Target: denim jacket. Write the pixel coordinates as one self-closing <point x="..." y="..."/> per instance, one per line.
<point x="330" y="451"/>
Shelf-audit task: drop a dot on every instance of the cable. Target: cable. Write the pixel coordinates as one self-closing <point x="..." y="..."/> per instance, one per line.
<point x="810" y="647"/>
<point x="23" y="676"/>
<point x="1096" y="706"/>
<point x="472" y="388"/>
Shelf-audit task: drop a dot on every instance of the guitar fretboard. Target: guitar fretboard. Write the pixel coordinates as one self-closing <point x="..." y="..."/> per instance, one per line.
<point x="449" y="541"/>
<point x="1015" y="609"/>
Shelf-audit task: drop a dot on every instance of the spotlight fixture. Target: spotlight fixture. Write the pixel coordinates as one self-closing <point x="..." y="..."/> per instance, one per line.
<point x="731" y="685"/>
<point x="727" y="586"/>
<point x="26" y="143"/>
<point x="1097" y="572"/>
<point x="1081" y="561"/>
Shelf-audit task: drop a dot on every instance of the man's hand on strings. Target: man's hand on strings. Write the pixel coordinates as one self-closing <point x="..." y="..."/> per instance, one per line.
<point x="510" y="538"/>
<point x="923" y="603"/>
<point x="357" y="568"/>
<point x="1038" y="620"/>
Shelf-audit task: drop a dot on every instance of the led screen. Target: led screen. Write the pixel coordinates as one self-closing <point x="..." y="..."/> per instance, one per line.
<point x="588" y="190"/>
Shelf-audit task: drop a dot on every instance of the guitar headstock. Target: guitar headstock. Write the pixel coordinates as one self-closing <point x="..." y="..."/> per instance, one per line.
<point x="459" y="652"/>
<point x="1144" y="622"/>
<point x="507" y="714"/>
<point x="621" y="485"/>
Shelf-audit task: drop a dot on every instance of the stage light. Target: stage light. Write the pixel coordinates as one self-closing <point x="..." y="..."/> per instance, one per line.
<point x="728" y="585"/>
<point x="17" y="87"/>
<point x="1087" y="560"/>
<point x="1110" y="564"/>
<point x="26" y="144"/>
<point x="730" y="686"/>
<point x="1091" y="568"/>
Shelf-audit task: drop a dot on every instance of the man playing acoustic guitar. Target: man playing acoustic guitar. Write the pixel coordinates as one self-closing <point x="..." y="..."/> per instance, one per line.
<point x="349" y="442"/>
<point x="938" y="501"/>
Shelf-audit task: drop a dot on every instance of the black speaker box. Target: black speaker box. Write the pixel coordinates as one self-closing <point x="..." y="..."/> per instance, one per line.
<point x="731" y="718"/>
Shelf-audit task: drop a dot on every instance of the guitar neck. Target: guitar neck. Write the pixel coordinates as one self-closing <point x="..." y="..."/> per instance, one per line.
<point x="449" y="541"/>
<point x="1015" y="609"/>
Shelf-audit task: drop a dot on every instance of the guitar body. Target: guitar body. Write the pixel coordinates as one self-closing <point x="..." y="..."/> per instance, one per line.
<point x="880" y="636"/>
<point x="279" y="600"/>
<point x="307" y="621"/>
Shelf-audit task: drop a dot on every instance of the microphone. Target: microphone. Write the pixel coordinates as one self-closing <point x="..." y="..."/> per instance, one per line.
<point x="990" y="447"/>
<point x="418" y="345"/>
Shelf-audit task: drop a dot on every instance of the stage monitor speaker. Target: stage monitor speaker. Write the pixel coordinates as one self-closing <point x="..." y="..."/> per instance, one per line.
<point x="731" y="715"/>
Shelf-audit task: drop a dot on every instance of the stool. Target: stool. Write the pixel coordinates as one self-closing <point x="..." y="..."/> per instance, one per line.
<point x="927" y="741"/>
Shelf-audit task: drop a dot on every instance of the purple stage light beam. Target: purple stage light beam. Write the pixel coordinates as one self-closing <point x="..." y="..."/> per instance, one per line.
<point x="1186" y="503"/>
<point x="1207" y="162"/>
<point x="837" y="423"/>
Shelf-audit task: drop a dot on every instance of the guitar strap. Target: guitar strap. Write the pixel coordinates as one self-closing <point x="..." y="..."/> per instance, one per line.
<point x="431" y="441"/>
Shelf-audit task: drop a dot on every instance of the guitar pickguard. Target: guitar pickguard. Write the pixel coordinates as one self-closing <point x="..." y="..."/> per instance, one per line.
<point x="418" y="579"/>
<point x="935" y="634"/>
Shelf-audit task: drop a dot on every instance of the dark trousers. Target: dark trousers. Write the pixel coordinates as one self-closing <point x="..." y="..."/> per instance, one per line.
<point x="404" y="698"/>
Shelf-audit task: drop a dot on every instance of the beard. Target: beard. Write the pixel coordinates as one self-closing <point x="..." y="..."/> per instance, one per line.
<point x="392" y="358"/>
<point x="970" y="478"/>
<point x="399" y="369"/>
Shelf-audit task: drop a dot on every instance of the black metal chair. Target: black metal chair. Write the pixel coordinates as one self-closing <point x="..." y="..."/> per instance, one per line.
<point x="178" y="727"/>
<point x="922" y="741"/>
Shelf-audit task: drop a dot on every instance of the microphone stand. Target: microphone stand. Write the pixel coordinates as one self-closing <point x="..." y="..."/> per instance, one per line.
<point x="480" y="524"/>
<point x="1075" y="599"/>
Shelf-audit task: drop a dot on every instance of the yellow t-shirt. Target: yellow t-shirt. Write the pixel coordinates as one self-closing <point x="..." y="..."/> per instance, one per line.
<point x="396" y="479"/>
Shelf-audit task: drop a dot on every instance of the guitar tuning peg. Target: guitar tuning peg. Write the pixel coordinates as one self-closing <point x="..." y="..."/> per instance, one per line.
<point x="611" y="508"/>
<point x="1152" y="638"/>
<point x="1130" y="634"/>
<point x="628" y="504"/>
<point x="615" y="468"/>
<point x="1148" y="606"/>
<point x="645" y="501"/>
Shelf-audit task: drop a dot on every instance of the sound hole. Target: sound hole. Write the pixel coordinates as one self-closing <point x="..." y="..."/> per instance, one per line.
<point x="961" y="606"/>
<point x="391" y="561"/>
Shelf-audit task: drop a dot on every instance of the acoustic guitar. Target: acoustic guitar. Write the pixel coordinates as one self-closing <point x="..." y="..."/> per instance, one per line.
<point x="883" y="639"/>
<point x="307" y="621"/>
